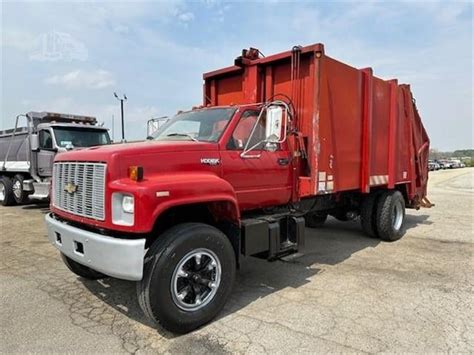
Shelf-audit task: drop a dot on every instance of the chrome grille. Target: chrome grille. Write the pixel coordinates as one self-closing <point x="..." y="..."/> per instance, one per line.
<point x="88" y="180"/>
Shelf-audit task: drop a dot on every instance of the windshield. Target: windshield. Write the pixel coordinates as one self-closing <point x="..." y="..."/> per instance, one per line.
<point x="201" y="125"/>
<point x="80" y="137"/>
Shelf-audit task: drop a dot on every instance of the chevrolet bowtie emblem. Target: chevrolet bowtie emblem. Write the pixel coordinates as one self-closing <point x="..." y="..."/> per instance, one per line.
<point x="70" y="188"/>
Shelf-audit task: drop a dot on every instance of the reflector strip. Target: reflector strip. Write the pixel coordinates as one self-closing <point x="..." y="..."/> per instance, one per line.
<point x="378" y="180"/>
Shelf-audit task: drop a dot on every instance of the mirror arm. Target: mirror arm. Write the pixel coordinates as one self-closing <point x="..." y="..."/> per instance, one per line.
<point x="246" y="150"/>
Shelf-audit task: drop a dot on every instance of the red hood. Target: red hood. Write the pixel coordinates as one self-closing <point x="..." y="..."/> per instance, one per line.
<point x="154" y="156"/>
<point x="106" y="152"/>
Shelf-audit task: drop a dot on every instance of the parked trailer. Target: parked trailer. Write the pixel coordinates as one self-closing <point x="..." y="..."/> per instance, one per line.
<point x="279" y="143"/>
<point x="27" y="153"/>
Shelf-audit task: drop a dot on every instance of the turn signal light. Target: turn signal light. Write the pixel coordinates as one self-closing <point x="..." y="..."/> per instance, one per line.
<point x="135" y="173"/>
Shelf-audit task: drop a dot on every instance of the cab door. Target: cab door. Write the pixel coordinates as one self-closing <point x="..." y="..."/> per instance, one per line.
<point x="264" y="179"/>
<point x="46" y="153"/>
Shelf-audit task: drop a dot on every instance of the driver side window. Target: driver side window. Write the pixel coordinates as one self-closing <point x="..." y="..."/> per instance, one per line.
<point x="45" y="140"/>
<point x="243" y="130"/>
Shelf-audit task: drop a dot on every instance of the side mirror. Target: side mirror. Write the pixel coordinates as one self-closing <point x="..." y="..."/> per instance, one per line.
<point x="34" y="142"/>
<point x="273" y="129"/>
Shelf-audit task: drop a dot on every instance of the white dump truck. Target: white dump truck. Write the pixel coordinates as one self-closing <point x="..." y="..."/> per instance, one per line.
<point x="27" y="153"/>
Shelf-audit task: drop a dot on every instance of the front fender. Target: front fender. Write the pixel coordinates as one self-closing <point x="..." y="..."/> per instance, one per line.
<point x="161" y="192"/>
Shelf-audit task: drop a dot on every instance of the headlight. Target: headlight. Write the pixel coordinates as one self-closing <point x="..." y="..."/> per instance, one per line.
<point x="123" y="209"/>
<point x="128" y="204"/>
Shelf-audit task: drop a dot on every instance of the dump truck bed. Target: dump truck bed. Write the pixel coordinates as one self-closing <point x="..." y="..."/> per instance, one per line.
<point x="19" y="145"/>
<point x="360" y="132"/>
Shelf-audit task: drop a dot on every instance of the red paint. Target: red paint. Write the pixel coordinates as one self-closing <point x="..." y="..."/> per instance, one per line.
<point x="366" y="129"/>
<point x="355" y="124"/>
<point x="393" y="116"/>
<point x="351" y="124"/>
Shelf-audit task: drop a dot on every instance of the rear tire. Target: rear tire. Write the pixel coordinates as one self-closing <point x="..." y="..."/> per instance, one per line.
<point x="6" y="191"/>
<point x="390" y="216"/>
<point x="315" y="219"/>
<point x="81" y="270"/>
<point x="179" y="292"/>
<point x="20" y="195"/>
<point x="368" y="215"/>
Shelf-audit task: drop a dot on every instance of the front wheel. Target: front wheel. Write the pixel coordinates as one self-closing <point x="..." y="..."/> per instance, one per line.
<point x="188" y="276"/>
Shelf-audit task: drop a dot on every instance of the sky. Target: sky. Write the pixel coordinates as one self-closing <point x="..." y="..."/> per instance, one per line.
<point x="72" y="56"/>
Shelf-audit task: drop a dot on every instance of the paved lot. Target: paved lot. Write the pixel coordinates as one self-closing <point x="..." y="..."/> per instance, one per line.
<point x="347" y="293"/>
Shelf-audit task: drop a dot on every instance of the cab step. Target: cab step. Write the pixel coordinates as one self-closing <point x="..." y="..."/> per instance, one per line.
<point x="272" y="237"/>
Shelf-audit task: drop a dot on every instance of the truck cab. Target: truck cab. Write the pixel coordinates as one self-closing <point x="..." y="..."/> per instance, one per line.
<point x="60" y="137"/>
<point x="27" y="153"/>
<point x="243" y="150"/>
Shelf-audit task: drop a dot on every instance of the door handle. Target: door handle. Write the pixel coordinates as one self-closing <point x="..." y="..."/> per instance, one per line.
<point x="283" y="161"/>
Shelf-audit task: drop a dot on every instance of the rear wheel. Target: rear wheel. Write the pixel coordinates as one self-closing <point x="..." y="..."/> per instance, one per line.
<point x="390" y="215"/>
<point x="6" y="191"/>
<point x="20" y="195"/>
<point x="81" y="270"/>
<point x="315" y="219"/>
<point x="368" y="215"/>
<point x="188" y="276"/>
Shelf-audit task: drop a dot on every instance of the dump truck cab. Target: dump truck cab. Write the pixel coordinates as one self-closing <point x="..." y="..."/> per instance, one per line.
<point x="27" y="153"/>
<point x="55" y="138"/>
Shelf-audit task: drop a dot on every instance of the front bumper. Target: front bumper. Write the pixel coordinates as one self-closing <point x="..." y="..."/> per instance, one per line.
<point x="120" y="258"/>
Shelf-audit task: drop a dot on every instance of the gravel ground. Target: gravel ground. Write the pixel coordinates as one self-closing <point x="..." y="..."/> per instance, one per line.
<point x="346" y="293"/>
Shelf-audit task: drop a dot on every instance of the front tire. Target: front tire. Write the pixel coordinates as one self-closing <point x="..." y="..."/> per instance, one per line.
<point x="188" y="276"/>
<point x="6" y="191"/>
<point x="81" y="270"/>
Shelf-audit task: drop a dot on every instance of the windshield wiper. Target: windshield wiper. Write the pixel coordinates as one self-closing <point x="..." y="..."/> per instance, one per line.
<point x="182" y="135"/>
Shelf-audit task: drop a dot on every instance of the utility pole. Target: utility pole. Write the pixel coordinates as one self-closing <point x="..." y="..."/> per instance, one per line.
<point x="124" y="98"/>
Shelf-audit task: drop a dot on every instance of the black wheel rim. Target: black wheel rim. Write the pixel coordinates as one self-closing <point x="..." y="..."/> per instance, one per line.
<point x="196" y="279"/>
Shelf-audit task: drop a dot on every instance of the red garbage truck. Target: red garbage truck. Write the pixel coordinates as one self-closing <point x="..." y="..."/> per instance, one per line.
<point x="278" y="144"/>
